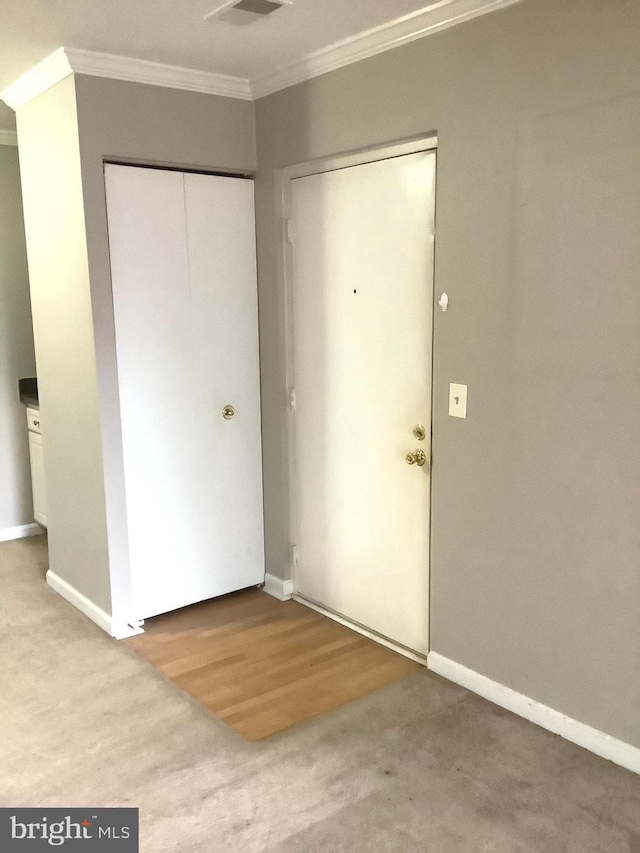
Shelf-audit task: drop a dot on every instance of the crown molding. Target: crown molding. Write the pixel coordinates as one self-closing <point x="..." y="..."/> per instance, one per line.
<point x="8" y="137"/>
<point x="157" y="74"/>
<point x="38" y="79"/>
<point x="67" y="60"/>
<point x="446" y="13"/>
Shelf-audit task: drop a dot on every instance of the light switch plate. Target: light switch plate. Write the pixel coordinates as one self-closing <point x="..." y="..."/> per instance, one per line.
<point x="457" y="400"/>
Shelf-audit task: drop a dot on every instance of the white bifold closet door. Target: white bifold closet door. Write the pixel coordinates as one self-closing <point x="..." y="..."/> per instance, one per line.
<point x="183" y="269"/>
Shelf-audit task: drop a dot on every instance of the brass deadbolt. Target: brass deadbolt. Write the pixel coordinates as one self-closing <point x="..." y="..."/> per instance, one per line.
<point x="420" y="432"/>
<point x="228" y="412"/>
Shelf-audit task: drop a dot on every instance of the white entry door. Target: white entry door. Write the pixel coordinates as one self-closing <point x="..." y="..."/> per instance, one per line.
<point x="362" y="264"/>
<point x="185" y="305"/>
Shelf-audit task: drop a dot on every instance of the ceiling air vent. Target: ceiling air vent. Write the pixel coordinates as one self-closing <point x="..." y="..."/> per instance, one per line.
<point x="245" y="11"/>
<point x="258" y="7"/>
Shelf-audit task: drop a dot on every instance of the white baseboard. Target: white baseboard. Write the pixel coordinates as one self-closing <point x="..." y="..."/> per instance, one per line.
<point x="20" y="532"/>
<point x="114" y="628"/>
<point x="282" y="590"/>
<point x="595" y="741"/>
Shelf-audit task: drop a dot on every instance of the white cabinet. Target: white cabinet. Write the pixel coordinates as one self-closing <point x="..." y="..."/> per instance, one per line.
<point x="183" y="270"/>
<point x="34" y="423"/>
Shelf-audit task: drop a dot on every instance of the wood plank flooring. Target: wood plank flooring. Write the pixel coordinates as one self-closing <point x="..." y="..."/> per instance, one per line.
<point x="264" y="665"/>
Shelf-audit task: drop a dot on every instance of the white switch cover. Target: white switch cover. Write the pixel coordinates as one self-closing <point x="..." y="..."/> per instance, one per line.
<point x="457" y="400"/>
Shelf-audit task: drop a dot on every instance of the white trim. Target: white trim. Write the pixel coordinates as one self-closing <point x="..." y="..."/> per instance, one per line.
<point x="157" y="74"/>
<point x="282" y="590"/>
<point x="86" y="606"/>
<point x="8" y="137"/>
<point x="424" y="22"/>
<point x="66" y="60"/>
<point x="360" y="629"/>
<point x="38" y="79"/>
<point x="79" y="601"/>
<point x="595" y="741"/>
<point x="7" y="534"/>
<point x="359" y="158"/>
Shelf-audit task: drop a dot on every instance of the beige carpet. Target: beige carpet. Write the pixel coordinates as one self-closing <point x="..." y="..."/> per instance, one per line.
<point x="420" y="766"/>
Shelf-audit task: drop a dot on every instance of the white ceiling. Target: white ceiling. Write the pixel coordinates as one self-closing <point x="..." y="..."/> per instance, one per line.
<point x="174" y="32"/>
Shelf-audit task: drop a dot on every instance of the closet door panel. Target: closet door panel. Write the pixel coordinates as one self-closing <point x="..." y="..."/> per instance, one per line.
<point x="225" y="367"/>
<point x="149" y="270"/>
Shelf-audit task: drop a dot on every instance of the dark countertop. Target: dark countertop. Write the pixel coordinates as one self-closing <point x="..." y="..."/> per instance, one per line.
<point x="28" y="392"/>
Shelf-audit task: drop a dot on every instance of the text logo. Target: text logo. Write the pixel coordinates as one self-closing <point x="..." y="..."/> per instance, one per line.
<point x="35" y="830"/>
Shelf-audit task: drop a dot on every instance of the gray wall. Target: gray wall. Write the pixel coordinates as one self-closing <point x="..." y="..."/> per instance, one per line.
<point x="63" y="333"/>
<point x="65" y="135"/>
<point x="16" y="348"/>
<point x="536" y="540"/>
<point x="7" y="117"/>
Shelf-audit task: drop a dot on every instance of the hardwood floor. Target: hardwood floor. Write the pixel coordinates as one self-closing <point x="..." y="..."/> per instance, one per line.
<point x="264" y="665"/>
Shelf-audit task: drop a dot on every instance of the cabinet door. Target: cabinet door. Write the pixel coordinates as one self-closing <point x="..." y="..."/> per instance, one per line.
<point x="37" y="478"/>
<point x="184" y="292"/>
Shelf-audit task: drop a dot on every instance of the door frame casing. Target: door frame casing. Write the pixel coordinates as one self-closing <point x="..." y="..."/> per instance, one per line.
<point x="284" y="177"/>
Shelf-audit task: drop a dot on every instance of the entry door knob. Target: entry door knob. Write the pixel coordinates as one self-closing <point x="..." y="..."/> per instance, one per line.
<point x="418" y="457"/>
